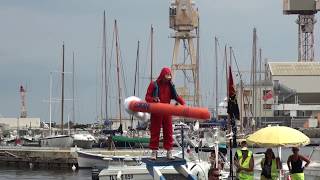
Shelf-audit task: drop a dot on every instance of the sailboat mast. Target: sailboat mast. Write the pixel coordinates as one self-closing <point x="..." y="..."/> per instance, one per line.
<point x="241" y="105"/>
<point x="104" y="45"/>
<point x="50" y="101"/>
<point x="260" y="86"/>
<point x="73" y="93"/>
<point x="118" y="68"/>
<point x="216" y="64"/>
<point x="197" y="74"/>
<point x="254" y="66"/>
<point x="241" y="91"/>
<point x="226" y="62"/>
<point x="255" y="78"/>
<point x="151" y="55"/>
<point x="136" y="77"/>
<point x="62" y="89"/>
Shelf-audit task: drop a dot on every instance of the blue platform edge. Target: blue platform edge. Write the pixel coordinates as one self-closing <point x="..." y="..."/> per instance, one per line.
<point x="190" y="177"/>
<point x="162" y="161"/>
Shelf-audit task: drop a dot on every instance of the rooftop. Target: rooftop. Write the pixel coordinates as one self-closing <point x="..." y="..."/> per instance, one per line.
<point x="294" y="68"/>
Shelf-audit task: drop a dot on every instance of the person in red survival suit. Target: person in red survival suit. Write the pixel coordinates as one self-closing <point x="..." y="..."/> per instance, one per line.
<point x="162" y="91"/>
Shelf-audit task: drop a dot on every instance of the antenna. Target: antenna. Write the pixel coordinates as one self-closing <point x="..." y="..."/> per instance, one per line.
<point x="23" y="111"/>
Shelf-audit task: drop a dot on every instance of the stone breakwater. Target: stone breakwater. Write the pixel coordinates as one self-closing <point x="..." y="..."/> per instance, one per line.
<point x="311" y="132"/>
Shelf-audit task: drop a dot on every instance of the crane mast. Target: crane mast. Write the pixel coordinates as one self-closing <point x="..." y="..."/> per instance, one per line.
<point x="306" y="11"/>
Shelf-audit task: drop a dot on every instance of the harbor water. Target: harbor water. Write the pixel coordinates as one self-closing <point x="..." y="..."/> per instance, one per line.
<point x="14" y="172"/>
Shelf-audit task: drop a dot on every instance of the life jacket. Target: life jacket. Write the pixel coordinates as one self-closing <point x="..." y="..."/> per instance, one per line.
<point x="245" y="163"/>
<point x="239" y="153"/>
<point x="173" y="90"/>
<point x="274" y="170"/>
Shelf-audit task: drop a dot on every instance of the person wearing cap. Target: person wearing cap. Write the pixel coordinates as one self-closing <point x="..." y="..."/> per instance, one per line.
<point x="244" y="162"/>
<point x="270" y="166"/>
<point x="295" y="164"/>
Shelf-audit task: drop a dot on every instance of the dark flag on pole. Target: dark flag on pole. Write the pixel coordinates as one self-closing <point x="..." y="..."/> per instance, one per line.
<point x="233" y="108"/>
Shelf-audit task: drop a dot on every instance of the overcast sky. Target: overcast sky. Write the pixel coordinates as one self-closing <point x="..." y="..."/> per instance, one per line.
<point x="32" y="33"/>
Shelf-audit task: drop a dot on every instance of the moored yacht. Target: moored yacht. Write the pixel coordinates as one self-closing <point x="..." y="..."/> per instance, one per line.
<point x="83" y="139"/>
<point x="56" y="141"/>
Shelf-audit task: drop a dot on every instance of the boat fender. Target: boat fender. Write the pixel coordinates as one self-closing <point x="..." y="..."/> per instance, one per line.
<point x="197" y="171"/>
<point x="140" y="115"/>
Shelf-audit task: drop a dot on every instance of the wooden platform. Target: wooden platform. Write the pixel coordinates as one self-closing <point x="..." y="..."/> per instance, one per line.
<point x="154" y="166"/>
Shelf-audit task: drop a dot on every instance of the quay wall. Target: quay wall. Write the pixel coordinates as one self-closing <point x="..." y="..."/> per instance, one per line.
<point x="38" y="157"/>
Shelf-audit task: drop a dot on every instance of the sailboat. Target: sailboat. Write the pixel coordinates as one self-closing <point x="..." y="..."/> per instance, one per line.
<point x="82" y="138"/>
<point x="60" y="140"/>
<point x="107" y="132"/>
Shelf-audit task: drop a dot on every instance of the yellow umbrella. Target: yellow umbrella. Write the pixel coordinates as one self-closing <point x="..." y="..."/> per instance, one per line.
<point x="275" y="136"/>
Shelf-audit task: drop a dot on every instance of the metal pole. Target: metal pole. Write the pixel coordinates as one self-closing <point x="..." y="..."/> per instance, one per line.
<point x="231" y="160"/>
<point x="182" y="139"/>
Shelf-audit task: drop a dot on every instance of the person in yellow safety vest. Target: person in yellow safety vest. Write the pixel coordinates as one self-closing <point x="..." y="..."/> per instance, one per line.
<point x="244" y="162"/>
<point x="270" y="166"/>
<point x="295" y="164"/>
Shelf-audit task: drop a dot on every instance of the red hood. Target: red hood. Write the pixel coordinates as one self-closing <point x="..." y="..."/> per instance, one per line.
<point x="164" y="72"/>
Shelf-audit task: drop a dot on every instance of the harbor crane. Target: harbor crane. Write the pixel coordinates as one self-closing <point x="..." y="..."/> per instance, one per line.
<point x="184" y="20"/>
<point x="306" y="10"/>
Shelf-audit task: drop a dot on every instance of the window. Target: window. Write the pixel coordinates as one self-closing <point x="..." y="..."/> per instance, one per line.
<point x="267" y="106"/>
<point x="247" y="93"/>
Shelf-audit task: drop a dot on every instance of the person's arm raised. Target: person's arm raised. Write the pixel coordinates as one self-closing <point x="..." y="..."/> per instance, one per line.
<point x="305" y="159"/>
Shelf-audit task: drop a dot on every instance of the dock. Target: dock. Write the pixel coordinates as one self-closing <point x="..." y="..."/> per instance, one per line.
<point x="38" y="157"/>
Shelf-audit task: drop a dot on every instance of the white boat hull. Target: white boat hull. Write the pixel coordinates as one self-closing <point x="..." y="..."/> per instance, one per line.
<point x="199" y="170"/>
<point x="57" y="141"/>
<point x="89" y="163"/>
<point x="89" y="160"/>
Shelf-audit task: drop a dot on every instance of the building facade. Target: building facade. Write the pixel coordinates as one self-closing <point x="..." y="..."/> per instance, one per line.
<point x="21" y="123"/>
<point x="297" y="92"/>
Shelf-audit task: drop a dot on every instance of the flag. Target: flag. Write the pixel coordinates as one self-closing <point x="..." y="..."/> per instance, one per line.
<point x="233" y="108"/>
<point x="268" y="95"/>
